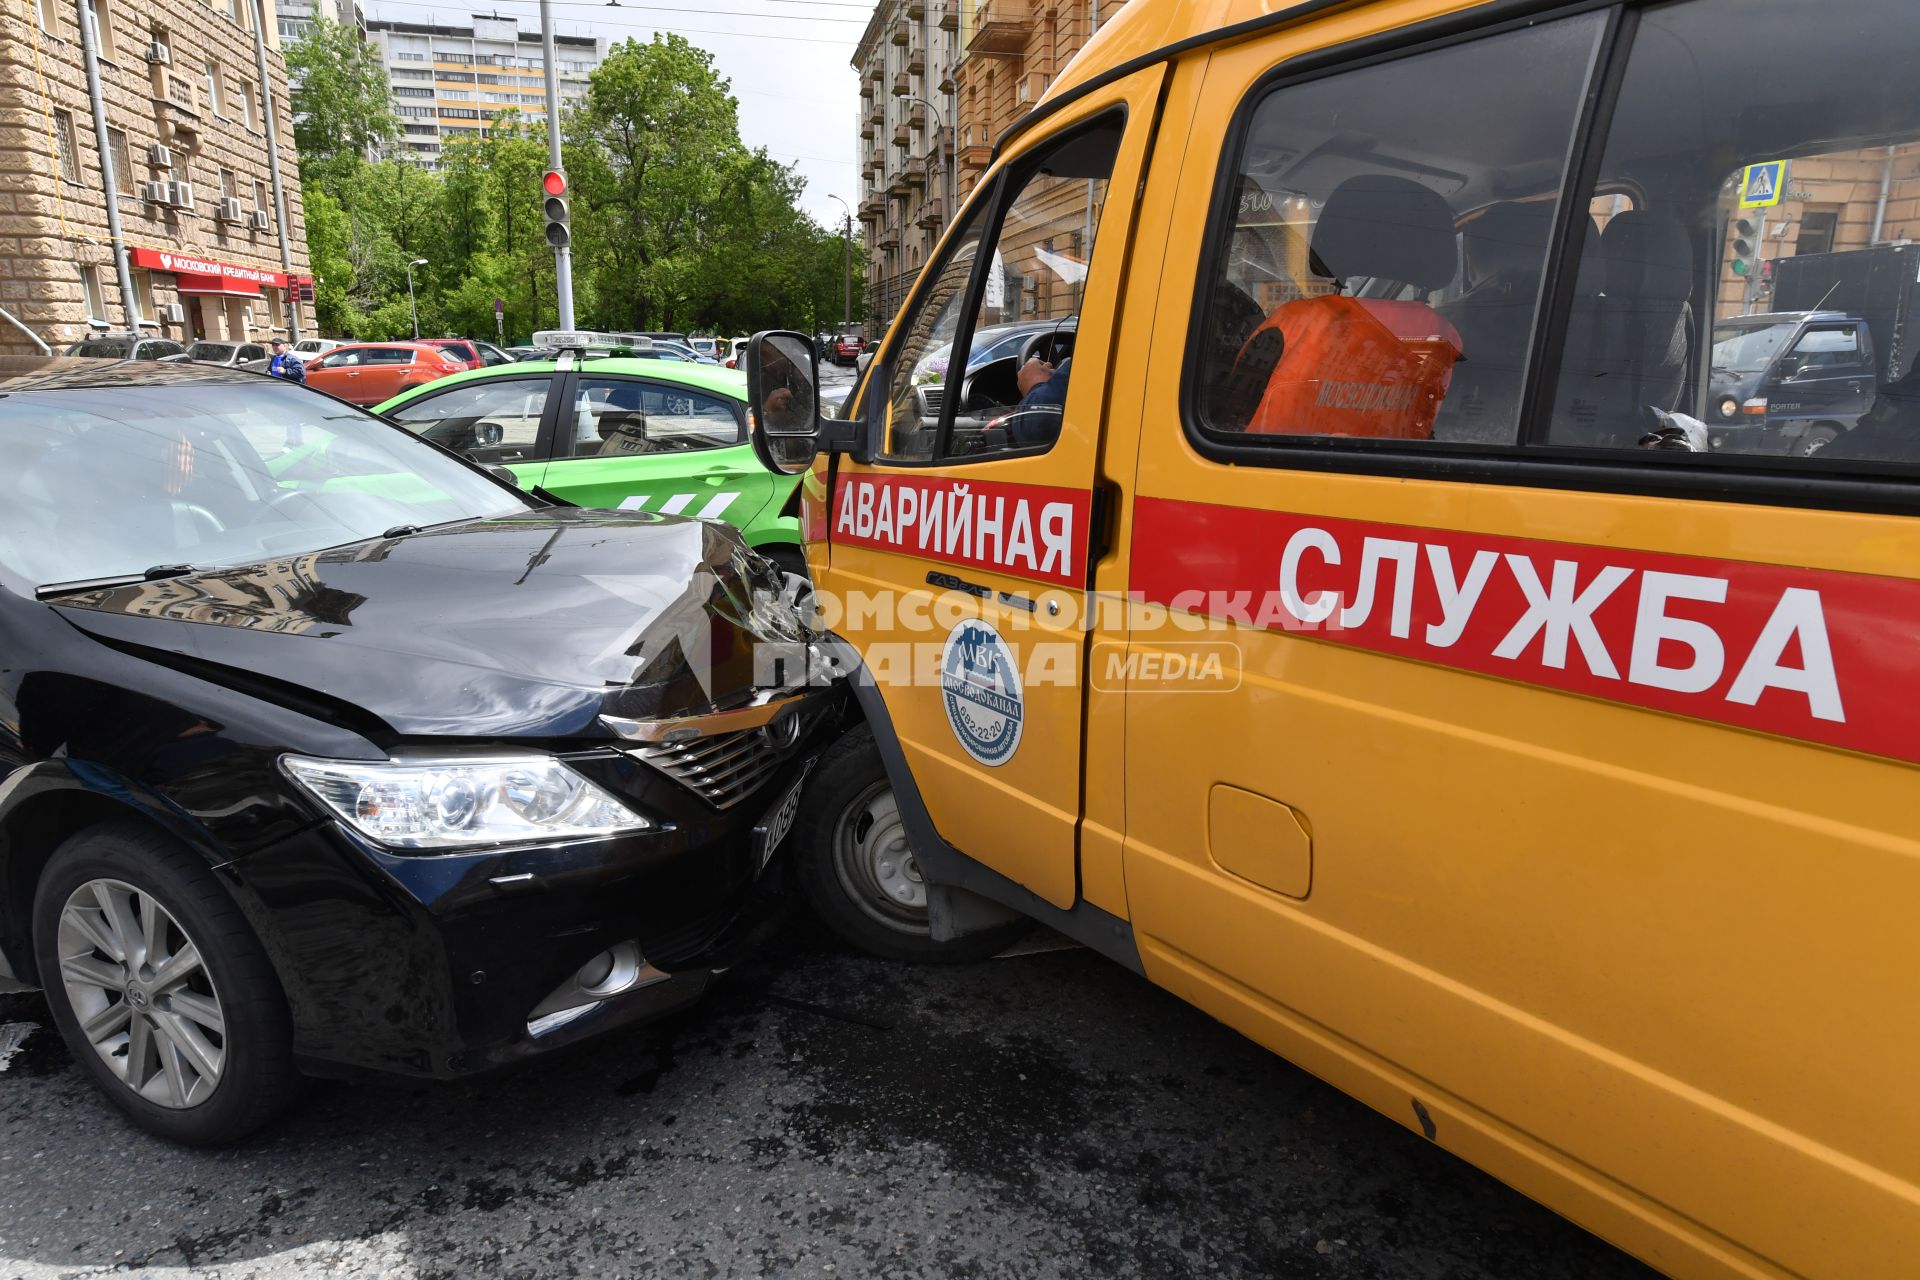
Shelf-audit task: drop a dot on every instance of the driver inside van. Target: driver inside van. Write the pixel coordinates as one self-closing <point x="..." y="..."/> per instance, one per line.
<point x="1340" y="365"/>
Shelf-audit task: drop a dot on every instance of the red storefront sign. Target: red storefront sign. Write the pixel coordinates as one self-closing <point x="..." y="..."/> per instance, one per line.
<point x="203" y="275"/>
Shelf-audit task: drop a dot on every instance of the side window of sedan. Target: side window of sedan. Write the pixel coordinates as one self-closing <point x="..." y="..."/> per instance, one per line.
<point x="491" y="422"/>
<point x="624" y="417"/>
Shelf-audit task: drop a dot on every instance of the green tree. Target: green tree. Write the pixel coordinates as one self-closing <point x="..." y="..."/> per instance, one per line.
<point x="340" y="99"/>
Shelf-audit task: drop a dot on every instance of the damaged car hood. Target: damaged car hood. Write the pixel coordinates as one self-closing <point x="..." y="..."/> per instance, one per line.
<point x="529" y="625"/>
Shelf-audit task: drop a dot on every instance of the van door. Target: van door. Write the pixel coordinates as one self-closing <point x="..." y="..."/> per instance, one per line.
<point x="1561" y="805"/>
<point x="965" y="543"/>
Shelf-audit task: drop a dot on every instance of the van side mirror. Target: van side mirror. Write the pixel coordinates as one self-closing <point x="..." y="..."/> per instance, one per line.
<point x="783" y="399"/>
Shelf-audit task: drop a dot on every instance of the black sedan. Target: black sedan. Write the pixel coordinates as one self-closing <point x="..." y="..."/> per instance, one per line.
<point x="323" y="750"/>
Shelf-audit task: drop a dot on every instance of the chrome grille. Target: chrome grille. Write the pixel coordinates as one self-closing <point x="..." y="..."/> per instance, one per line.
<point x="723" y="769"/>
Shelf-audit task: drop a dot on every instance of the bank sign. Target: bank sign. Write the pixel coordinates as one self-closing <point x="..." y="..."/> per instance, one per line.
<point x="228" y="275"/>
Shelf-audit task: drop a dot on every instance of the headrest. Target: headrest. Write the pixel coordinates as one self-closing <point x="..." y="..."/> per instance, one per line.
<point x="1394" y="228"/>
<point x="1648" y="257"/>
<point x="1508" y="239"/>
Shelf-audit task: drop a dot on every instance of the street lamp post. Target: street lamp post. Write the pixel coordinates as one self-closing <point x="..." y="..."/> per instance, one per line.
<point x="846" y="244"/>
<point x="412" y="309"/>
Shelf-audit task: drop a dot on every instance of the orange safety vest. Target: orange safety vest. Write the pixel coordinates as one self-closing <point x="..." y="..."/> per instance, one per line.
<point x="1357" y="367"/>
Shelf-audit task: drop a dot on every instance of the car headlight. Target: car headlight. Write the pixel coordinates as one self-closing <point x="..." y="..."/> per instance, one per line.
<point x="463" y="802"/>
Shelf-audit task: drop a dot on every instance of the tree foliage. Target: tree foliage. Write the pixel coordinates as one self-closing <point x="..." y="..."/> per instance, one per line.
<point x="676" y="223"/>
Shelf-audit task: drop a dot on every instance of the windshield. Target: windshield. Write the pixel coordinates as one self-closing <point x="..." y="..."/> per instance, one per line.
<point x="210" y="351"/>
<point x="112" y="482"/>
<point x="97" y="348"/>
<point x="1746" y="348"/>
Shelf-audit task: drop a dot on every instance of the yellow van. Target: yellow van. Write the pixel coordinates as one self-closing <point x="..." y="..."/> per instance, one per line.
<point x="1354" y="524"/>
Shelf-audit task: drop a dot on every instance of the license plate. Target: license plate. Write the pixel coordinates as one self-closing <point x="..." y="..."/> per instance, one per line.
<point x="773" y="828"/>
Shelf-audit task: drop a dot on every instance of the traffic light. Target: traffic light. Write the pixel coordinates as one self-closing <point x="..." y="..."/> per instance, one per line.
<point x="555" y="186"/>
<point x="1745" y="240"/>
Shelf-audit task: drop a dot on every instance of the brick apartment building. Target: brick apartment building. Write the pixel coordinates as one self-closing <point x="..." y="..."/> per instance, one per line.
<point x="184" y="124"/>
<point x="940" y="80"/>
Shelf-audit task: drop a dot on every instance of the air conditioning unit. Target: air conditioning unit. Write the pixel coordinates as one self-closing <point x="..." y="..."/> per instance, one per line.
<point x="230" y="210"/>
<point x="158" y="53"/>
<point x="156" y="192"/>
<point x="173" y="313"/>
<point x="180" y="195"/>
<point x="160" y="155"/>
<point x="260" y="220"/>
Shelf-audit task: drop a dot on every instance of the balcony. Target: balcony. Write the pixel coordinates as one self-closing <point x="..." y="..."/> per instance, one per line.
<point x="876" y="114"/>
<point x="917" y="117"/>
<point x="900" y="32"/>
<point x="868" y="87"/>
<point x="901" y="88"/>
<point x="976" y="155"/>
<point x="916" y="10"/>
<point x="901" y="185"/>
<point x="950" y="16"/>
<point x="914" y="175"/>
<point x="889" y="237"/>
<point x="916" y="61"/>
<point x="933" y="214"/>
<point x="868" y="129"/>
<point x="1000" y="28"/>
<point x="900" y="138"/>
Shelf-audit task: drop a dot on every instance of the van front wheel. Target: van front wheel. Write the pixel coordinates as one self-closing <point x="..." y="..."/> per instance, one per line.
<point x="857" y="870"/>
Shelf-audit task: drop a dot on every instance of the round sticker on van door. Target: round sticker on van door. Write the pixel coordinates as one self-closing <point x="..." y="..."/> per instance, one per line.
<point x="980" y="684"/>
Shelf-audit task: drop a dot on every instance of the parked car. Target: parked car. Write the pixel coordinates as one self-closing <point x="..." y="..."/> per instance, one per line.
<point x="476" y="354"/>
<point x="369" y="372"/>
<point x="736" y="347"/>
<point x="231" y="354"/>
<point x="322" y="750"/>
<point x="623" y="432"/>
<point x="847" y="348"/>
<point x="307" y="348"/>
<point x="705" y="346"/>
<point x="123" y="346"/>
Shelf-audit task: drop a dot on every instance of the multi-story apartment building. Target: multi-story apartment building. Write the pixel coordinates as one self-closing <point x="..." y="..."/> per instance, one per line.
<point x="295" y="16"/>
<point x="908" y="57"/>
<point x="191" y="183"/>
<point x="450" y="82"/>
<point x="939" y="81"/>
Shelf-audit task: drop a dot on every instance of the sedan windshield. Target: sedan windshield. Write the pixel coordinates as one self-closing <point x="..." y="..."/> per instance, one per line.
<point x="1746" y="348"/>
<point x="127" y="481"/>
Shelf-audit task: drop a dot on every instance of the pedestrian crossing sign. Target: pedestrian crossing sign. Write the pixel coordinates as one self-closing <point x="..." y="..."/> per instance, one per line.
<point x="1760" y="187"/>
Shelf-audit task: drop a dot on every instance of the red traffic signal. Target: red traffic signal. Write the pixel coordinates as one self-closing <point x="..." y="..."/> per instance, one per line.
<point x="555" y="183"/>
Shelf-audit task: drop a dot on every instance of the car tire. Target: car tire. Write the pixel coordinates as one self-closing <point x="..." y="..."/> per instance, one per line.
<point x="856" y="870"/>
<point x="214" y="1040"/>
<point x="1817" y="439"/>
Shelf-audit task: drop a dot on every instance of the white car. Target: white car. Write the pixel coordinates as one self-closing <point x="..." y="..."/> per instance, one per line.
<point x="307" y="348"/>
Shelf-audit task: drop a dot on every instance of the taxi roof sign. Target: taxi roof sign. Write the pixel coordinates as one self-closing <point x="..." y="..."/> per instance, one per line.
<point x="590" y="340"/>
<point x="1762" y="185"/>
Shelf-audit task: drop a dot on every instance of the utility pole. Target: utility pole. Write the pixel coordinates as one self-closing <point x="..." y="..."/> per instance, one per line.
<point x="89" y="39"/>
<point x="273" y="169"/>
<point x="562" y="254"/>
<point x="846" y="245"/>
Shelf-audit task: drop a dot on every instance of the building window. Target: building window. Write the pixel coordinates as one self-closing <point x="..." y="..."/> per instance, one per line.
<point x="102" y="27"/>
<point x="213" y="87"/>
<point x="122" y="161"/>
<point x="259" y="194"/>
<point x="463" y="59"/>
<point x="67" y="144"/>
<point x="49" y="16"/>
<point x="1816" y="232"/>
<point x="407" y="55"/>
<point x="454" y="77"/>
<point x="410" y="73"/>
<point x="411" y="93"/>
<point x="228" y="187"/>
<point x="246" y="102"/>
<point x="96" y="296"/>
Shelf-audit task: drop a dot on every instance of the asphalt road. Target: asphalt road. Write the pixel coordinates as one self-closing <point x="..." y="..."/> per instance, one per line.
<point x="822" y="1114"/>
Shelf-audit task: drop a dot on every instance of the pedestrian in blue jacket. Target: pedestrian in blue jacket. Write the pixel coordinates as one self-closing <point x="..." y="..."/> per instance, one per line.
<point x="285" y="364"/>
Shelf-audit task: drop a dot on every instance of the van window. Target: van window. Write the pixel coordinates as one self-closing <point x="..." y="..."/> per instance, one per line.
<point x="1379" y="259"/>
<point x="1017" y="325"/>
<point x="1742" y="307"/>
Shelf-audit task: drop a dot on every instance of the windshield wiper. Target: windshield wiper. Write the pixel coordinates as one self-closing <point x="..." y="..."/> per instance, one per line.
<point x="80" y="585"/>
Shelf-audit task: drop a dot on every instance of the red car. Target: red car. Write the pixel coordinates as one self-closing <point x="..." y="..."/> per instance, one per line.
<point x="475" y="353"/>
<point x="847" y="348"/>
<point x="367" y="373"/>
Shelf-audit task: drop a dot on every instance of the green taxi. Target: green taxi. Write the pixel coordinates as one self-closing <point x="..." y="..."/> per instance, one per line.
<point x="622" y="432"/>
